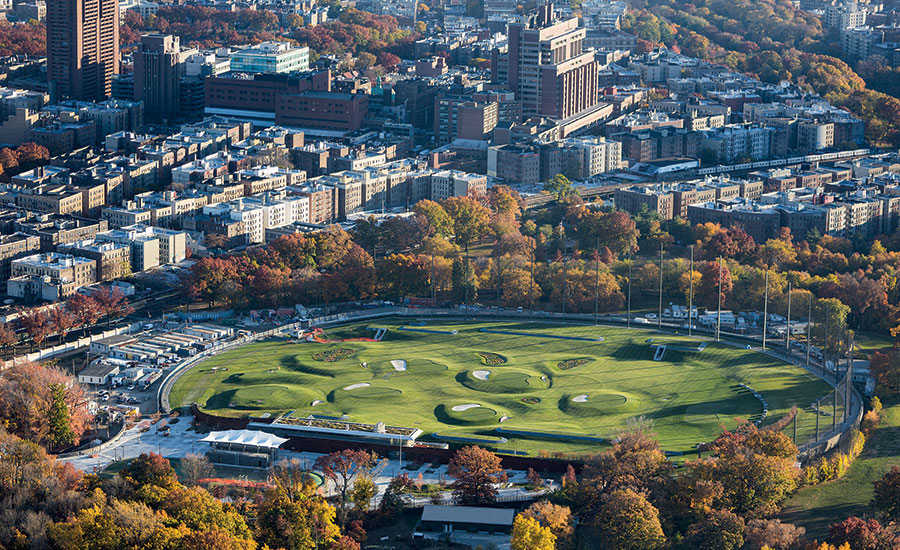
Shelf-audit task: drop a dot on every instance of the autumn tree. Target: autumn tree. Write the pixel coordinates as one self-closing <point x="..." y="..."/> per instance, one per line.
<point x="8" y="338"/>
<point x="476" y="471"/>
<point x="718" y="530"/>
<point x="84" y="308"/>
<point x="529" y="534"/>
<point x="886" y="495"/>
<point x="28" y="394"/>
<point x="555" y="517"/>
<point x="342" y="468"/>
<point x="773" y="534"/>
<point x="112" y="303"/>
<point x="299" y="520"/>
<point x="438" y="219"/>
<point x="36" y="325"/>
<point x="61" y="321"/>
<point x="628" y="521"/>
<point x="863" y="534"/>
<point x="470" y="219"/>
<point x="707" y="293"/>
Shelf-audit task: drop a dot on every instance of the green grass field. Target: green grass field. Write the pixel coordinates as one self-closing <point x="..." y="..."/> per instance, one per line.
<point x="534" y="383"/>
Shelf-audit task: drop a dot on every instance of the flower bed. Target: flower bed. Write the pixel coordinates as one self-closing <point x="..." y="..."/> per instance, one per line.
<point x="571" y="363"/>
<point x="491" y="359"/>
<point x="531" y="400"/>
<point x="332" y="355"/>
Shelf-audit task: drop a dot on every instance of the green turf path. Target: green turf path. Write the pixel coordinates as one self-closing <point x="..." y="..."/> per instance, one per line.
<point x="687" y="395"/>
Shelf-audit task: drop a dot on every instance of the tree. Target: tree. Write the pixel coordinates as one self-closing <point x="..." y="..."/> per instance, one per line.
<point x="61" y="433"/>
<point x="364" y="60"/>
<point x="150" y="469"/>
<point x="112" y="303"/>
<point x="559" y="185"/>
<point x="719" y="530"/>
<point x="470" y="219"/>
<point x="61" y="321"/>
<point x="85" y="309"/>
<point x="462" y="276"/>
<point x="302" y="520"/>
<point x="773" y="534"/>
<point x="627" y="521"/>
<point x="438" y="219"/>
<point x="529" y="534"/>
<point x="886" y="495"/>
<point x="553" y="516"/>
<point x="197" y="509"/>
<point x="196" y="467"/>
<point x="707" y="293"/>
<point x="863" y="534"/>
<point x="477" y="471"/>
<point x="342" y="468"/>
<point x="36" y="324"/>
<point x="27" y="396"/>
<point x="8" y="338"/>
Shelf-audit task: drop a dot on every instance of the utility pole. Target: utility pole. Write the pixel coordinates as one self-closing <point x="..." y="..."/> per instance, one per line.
<point x="498" y="285"/>
<point x="565" y="290"/>
<point x="825" y="347"/>
<point x="719" y="312"/>
<point x="817" y="420"/>
<point x="848" y="382"/>
<point x="659" y="318"/>
<point x="691" y="294"/>
<point x="787" y="334"/>
<point x="466" y="282"/>
<point x="597" y="282"/>
<point x="765" y="311"/>
<point x="433" y="302"/>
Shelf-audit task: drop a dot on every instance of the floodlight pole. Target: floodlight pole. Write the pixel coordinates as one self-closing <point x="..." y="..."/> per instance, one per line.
<point x="765" y="311"/>
<point x="787" y="335"/>
<point x="719" y="308"/>
<point x="597" y="281"/>
<point x="433" y="302"/>
<point x="808" y="329"/>
<point x="565" y="289"/>
<point x="691" y="294"/>
<point x="498" y="285"/>
<point x="630" y="270"/>
<point x="659" y="314"/>
<point x="531" y="288"/>
<point x="466" y="283"/>
<point x="825" y="347"/>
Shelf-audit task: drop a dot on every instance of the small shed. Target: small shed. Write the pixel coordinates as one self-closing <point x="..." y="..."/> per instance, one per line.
<point x="467" y="519"/>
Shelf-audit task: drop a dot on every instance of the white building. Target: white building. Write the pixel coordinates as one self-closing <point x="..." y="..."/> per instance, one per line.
<point x="271" y="57"/>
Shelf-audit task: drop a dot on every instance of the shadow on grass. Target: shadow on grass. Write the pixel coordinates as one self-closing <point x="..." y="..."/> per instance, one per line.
<point x="290" y="362"/>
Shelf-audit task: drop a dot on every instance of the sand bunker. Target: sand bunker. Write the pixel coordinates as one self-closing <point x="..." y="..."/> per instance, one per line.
<point x="317" y="402"/>
<point x="461" y="408"/>
<point x="399" y="364"/>
<point x="504" y="419"/>
<point x="355" y="386"/>
<point x="580" y="398"/>
<point x="481" y="374"/>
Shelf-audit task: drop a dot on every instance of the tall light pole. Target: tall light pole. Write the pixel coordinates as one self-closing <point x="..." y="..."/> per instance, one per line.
<point x="659" y="314"/>
<point x="433" y="301"/>
<point x="809" y="331"/>
<point x="597" y="281"/>
<point x="630" y="271"/>
<point x="765" y="311"/>
<point x="691" y="294"/>
<point x="719" y="308"/>
<point x="565" y="289"/>
<point x="498" y="285"/>
<point x="787" y="335"/>
<point x="531" y="287"/>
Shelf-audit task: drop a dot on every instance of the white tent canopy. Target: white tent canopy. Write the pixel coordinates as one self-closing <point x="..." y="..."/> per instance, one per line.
<point x="250" y="438"/>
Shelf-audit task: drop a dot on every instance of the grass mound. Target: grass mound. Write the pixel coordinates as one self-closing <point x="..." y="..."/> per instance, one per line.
<point x="364" y="393"/>
<point x="334" y="354"/>
<point x="598" y="402"/>
<point x="474" y="415"/>
<point x="491" y="359"/>
<point x="504" y="381"/>
<point x="262" y="397"/>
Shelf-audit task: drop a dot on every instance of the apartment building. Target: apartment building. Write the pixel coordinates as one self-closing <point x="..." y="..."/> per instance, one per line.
<point x="49" y="276"/>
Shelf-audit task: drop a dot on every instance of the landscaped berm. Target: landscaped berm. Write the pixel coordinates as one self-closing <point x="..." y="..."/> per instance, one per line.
<point x="526" y="387"/>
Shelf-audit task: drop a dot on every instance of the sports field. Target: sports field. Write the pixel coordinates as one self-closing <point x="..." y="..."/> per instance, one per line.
<point x="547" y="387"/>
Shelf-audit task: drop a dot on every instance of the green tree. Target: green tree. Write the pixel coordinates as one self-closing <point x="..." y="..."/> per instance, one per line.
<point x="470" y="219"/>
<point x="61" y="433"/>
<point x="438" y="219"/>
<point x="559" y="185"/>
<point x="463" y="276"/>
<point x="719" y="530"/>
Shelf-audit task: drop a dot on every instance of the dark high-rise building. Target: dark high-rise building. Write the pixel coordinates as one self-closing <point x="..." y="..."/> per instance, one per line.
<point x="156" y="75"/>
<point x="82" y="48"/>
<point x="550" y="72"/>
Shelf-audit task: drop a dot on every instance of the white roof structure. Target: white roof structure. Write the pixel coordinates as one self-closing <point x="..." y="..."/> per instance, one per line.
<point x="468" y="514"/>
<point x="250" y="438"/>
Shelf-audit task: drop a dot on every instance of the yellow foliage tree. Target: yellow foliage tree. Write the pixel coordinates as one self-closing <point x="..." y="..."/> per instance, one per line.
<point x="529" y="534"/>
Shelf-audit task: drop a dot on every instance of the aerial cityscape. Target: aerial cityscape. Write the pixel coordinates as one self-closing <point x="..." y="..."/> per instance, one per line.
<point x="449" y="274"/>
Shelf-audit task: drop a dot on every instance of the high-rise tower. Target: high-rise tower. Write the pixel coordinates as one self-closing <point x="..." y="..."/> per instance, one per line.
<point x="82" y="47"/>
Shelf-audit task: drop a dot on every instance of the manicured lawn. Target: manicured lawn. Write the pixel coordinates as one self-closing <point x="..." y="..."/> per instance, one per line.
<point x="818" y="507"/>
<point x="688" y="395"/>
